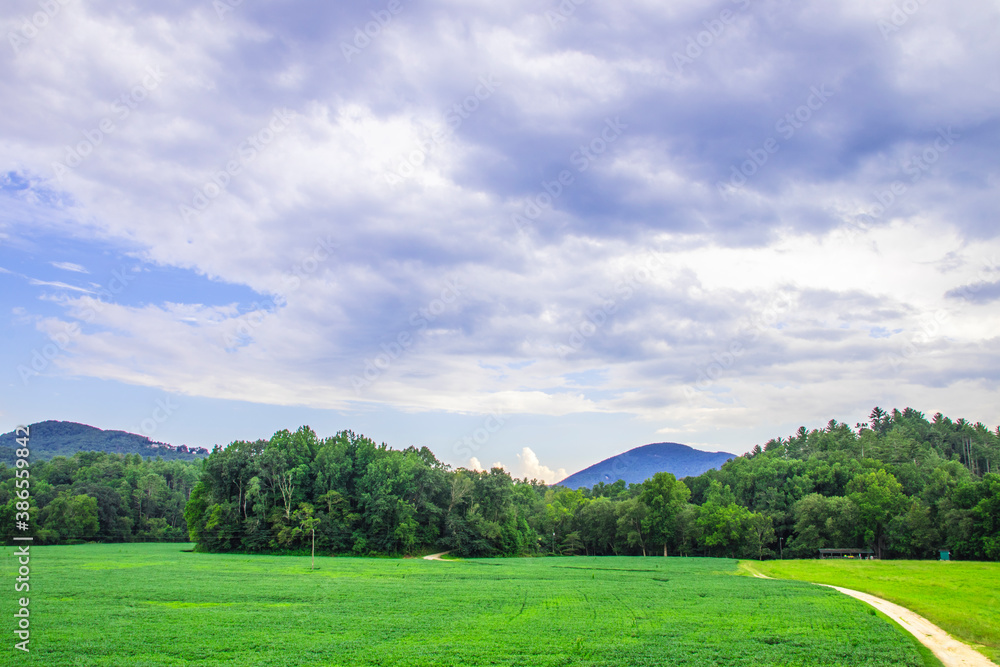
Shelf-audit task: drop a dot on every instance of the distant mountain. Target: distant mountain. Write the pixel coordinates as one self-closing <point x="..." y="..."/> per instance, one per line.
<point x="639" y="464"/>
<point x="54" y="438"/>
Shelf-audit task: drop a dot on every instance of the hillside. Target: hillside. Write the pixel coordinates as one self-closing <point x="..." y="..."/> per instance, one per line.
<point x="641" y="463"/>
<point x="56" y="438"/>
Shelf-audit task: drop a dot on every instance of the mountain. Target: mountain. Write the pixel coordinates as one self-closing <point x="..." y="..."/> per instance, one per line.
<point x="54" y="438"/>
<point x="641" y="463"/>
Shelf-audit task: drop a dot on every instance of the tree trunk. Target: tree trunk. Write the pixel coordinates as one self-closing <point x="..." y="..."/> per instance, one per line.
<point x="664" y="549"/>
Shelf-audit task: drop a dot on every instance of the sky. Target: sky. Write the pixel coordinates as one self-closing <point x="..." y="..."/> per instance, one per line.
<point x="534" y="234"/>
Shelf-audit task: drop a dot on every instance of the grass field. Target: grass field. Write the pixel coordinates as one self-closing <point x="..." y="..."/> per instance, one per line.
<point x="157" y="606"/>
<point x="960" y="597"/>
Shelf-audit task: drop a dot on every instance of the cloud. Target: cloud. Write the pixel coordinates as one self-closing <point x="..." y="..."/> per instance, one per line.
<point x="57" y="284"/>
<point x="474" y="464"/>
<point x="530" y="467"/>
<point x="696" y="243"/>
<point x="976" y="292"/>
<point x="69" y="266"/>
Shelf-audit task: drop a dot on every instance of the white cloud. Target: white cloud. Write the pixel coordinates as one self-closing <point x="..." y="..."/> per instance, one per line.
<point x="58" y="284"/>
<point x="474" y="464"/>
<point x="69" y="266"/>
<point x="530" y="467"/>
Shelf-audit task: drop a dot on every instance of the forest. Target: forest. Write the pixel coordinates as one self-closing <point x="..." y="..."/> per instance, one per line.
<point x="102" y="497"/>
<point x="901" y="484"/>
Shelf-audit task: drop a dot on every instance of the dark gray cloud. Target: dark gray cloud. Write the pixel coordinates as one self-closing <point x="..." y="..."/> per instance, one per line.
<point x="976" y="292"/>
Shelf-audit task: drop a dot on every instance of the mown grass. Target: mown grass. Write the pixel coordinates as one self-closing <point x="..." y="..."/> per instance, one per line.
<point x="157" y="606"/>
<point x="961" y="597"/>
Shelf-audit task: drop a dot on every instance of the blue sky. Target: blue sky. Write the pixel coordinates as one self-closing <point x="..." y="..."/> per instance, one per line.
<point x="533" y="234"/>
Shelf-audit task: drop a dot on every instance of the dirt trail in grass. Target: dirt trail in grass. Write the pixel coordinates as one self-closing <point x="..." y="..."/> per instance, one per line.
<point x="951" y="652"/>
<point x="436" y="556"/>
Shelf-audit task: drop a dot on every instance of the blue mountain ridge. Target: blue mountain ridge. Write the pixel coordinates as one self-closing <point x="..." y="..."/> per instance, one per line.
<point x="639" y="464"/>
<point x="51" y="438"/>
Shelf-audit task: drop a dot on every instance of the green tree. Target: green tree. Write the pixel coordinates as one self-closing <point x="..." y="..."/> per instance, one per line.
<point x="307" y="521"/>
<point x="665" y="497"/>
<point x="596" y="524"/>
<point x="631" y="517"/>
<point x="820" y="523"/>
<point x="913" y="533"/>
<point x="71" y="517"/>
<point x="759" y="532"/>
<point x="194" y="511"/>
<point x="986" y="515"/>
<point x="879" y="499"/>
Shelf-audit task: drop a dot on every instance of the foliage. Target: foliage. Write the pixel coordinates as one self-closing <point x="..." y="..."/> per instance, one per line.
<point x="903" y="486"/>
<point x="103" y="497"/>
<point x="879" y="498"/>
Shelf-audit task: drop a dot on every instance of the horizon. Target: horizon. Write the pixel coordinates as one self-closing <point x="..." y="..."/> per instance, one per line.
<point x="322" y="436"/>
<point x="520" y="235"/>
<point x="561" y="475"/>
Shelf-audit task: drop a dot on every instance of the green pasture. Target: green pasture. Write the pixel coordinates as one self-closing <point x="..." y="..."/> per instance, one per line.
<point x="961" y="597"/>
<point x="157" y="605"/>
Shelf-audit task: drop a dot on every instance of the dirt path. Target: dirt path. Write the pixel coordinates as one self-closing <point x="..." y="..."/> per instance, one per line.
<point x="948" y="650"/>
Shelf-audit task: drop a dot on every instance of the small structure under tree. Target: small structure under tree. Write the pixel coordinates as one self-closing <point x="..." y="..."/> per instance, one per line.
<point x="846" y="553"/>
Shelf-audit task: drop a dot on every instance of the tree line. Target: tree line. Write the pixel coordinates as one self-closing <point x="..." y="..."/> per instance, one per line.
<point x="100" y="496"/>
<point x="900" y="485"/>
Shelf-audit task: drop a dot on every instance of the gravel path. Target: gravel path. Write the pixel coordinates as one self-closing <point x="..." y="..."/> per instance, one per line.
<point x="436" y="556"/>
